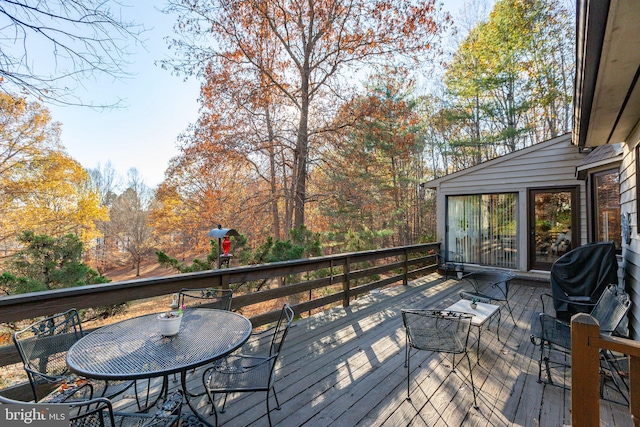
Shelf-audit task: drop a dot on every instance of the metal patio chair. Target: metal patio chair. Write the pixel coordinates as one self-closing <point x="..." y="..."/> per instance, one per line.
<point x="440" y="331"/>
<point x="206" y="298"/>
<point x="492" y="285"/>
<point x="450" y="262"/>
<point x="43" y="348"/>
<point x="99" y="413"/>
<point x="248" y="373"/>
<point x="553" y="334"/>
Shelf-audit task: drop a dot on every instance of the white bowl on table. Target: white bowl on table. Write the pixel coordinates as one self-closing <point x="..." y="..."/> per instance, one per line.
<point x="169" y="326"/>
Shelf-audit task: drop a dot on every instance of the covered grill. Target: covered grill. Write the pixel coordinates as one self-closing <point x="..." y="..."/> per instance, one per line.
<point x="581" y="275"/>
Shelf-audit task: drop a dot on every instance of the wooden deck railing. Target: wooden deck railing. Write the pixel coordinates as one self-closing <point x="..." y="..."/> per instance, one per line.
<point x="399" y="264"/>
<point x="586" y="342"/>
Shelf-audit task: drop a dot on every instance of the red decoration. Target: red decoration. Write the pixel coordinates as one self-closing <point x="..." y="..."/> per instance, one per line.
<point x="226" y="245"/>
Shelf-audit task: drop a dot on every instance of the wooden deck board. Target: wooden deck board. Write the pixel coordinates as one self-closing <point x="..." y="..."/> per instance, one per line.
<point x="345" y="367"/>
<point x="524" y="403"/>
<point x="508" y="359"/>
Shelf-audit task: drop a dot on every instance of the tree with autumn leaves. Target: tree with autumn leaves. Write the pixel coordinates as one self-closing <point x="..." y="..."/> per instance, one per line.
<point x="509" y="84"/>
<point x="42" y="189"/>
<point x="287" y="135"/>
<point x="371" y="171"/>
<point x="284" y="127"/>
<point x="300" y="56"/>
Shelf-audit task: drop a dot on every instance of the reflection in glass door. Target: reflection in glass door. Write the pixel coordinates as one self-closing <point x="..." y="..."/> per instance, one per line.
<point x="552" y="225"/>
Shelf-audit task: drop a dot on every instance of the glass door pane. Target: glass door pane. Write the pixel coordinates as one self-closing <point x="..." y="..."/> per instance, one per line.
<point x="481" y="229"/>
<point x="552" y="226"/>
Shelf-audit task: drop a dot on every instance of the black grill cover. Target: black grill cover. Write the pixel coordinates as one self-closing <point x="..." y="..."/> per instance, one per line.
<point x="582" y="275"/>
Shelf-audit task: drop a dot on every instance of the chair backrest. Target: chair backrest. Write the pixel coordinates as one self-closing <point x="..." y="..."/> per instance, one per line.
<point x="92" y="413"/>
<point x="611" y="309"/>
<point x="488" y="281"/>
<point x="43" y="346"/>
<point x="437" y="330"/>
<point x="473" y="296"/>
<point x="206" y="297"/>
<point x="281" y="330"/>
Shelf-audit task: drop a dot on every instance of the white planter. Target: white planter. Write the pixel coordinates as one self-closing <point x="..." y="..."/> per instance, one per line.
<point x="169" y="326"/>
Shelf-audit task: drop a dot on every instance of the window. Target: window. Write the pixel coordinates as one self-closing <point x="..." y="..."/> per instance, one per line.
<point x="606" y="207"/>
<point x="482" y="228"/>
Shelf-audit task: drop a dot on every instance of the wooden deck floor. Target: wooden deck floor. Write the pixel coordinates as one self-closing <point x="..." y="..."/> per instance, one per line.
<point x="345" y="368"/>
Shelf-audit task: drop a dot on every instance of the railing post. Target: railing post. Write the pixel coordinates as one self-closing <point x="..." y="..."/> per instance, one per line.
<point x="585" y="360"/>
<point x="331" y="277"/>
<point x="405" y="267"/>
<point x="224" y="281"/>
<point x="346" y="286"/>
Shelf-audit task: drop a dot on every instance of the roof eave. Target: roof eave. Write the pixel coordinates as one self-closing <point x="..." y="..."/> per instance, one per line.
<point x="590" y="31"/>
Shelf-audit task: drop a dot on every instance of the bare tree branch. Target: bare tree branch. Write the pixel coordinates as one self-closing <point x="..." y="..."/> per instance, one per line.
<point x="49" y="48"/>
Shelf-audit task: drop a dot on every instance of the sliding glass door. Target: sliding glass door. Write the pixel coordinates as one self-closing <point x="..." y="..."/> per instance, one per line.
<point x="482" y="228"/>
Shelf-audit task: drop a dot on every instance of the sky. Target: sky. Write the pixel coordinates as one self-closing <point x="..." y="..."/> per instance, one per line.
<point x="156" y="106"/>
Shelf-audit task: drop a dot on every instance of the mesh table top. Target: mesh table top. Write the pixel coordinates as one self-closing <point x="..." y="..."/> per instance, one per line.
<point x="135" y="349"/>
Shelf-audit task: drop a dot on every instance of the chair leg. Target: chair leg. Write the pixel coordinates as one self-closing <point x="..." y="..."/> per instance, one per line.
<point x="268" y="409"/>
<point x="406" y="351"/>
<point x="224" y="403"/>
<point x="604" y="353"/>
<point x="276" y="397"/>
<point x="146" y="399"/>
<point x="540" y="361"/>
<point x="407" y="364"/>
<point x="32" y="383"/>
<point x="510" y="312"/>
<point x="214" y="411"/>
<point x="473" y="387"/>
<point x="548" y="369"/>
<point x="540" y="369"/>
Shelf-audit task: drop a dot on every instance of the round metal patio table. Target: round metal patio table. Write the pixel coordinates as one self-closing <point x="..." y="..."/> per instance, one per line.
<point x="135" y="349"/>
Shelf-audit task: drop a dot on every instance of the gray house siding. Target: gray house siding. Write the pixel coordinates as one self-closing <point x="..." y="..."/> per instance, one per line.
<point x="548" y="164"/>
<point x="631" y="251"/>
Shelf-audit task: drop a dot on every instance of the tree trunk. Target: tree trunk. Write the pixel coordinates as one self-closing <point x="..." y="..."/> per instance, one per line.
<point x="272" y="177"/>
<point x="302" y="150"/>
<point x="477" y="132"/>
<point x="288" y="186"/>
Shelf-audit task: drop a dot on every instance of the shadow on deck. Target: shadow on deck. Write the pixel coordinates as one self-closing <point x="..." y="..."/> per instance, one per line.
<point x="345" y="367"/>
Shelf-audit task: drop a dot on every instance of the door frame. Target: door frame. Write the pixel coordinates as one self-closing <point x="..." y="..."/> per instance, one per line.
<point x="575" y="222"/>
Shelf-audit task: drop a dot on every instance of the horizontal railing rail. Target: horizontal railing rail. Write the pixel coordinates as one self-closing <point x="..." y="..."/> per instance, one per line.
<point x="398" y="264"/>
<point x="586" y="342"/>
